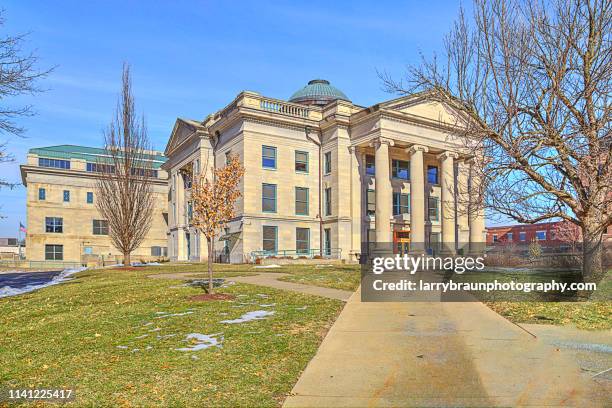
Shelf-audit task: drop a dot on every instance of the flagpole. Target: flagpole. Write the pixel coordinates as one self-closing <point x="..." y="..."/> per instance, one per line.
<point x="19" y="239"/>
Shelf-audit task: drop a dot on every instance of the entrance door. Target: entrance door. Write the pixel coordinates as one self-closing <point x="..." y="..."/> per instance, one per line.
<point x="327" y="241"/>
<point x="188" y="239"/>
<point x="401" y="242"/>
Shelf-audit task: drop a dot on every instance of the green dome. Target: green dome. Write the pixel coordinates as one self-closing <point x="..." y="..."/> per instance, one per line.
<point x="318" y="92"/>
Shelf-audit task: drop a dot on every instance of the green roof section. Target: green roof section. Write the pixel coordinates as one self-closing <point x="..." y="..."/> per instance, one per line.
<point x="318" y="90"/>
<point x="90" y="154"/>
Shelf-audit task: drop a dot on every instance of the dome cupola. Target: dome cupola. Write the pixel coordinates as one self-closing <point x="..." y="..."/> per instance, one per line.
<point x="318" y="92"/>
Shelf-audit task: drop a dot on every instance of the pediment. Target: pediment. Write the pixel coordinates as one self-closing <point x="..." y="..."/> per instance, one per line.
<point x="425" y="106"/>
<point x="183" y="130"/>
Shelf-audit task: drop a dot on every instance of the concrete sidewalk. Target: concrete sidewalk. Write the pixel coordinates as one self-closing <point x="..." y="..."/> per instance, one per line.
<point x="438" y="354"/>
<point x="269" y="279"/>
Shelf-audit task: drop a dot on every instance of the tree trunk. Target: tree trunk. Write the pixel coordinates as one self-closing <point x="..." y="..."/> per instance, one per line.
<point x="210" y="264"/>
<point x="126" y="259"/>
<point x="592" y="268"/>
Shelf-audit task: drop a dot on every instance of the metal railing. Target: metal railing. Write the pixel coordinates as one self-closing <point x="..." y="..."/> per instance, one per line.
<point x="327" y="253"/>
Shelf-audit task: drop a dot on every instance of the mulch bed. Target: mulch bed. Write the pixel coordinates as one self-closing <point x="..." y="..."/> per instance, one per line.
<point x="206" y="297"/>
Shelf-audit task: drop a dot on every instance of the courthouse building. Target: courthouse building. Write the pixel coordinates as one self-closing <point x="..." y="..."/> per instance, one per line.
<point x="62" y="220"/>
<point x="324" y="175"/>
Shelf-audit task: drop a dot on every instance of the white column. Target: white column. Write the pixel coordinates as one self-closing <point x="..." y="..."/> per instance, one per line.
<point x="383" y="191"/>
<point x="356" y="193"/>
<point x="447" y="207"/>
<point x="417" y="197"/>
<point x="462" y="203"/>
<point x="476" y="213"/>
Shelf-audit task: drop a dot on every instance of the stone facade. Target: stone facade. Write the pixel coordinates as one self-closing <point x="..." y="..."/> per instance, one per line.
<point x="63" y="194"/>
<point x="402" y="152"/>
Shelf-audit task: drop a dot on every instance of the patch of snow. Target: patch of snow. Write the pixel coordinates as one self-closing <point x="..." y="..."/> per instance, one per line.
<point x="261" y="295"/>
<point x="142" y="337"/>
<point x="159" y="337"/>
<point x="301" y="308"/>
<point x="63" y="276"/>
<point x="135" y="350"/>
<point x="267" y="266"/>
<point x="247" y="317"/>
<point x="202" y="341"/>
<point x="148" y="347"/>
<point x="270" y="305"/>
<point x="194" y="357"/>
<point x="147" y="324"/>
<point x="323" y="266"/>
<point x="122" y="347"/>
<point x="155" y="329"/>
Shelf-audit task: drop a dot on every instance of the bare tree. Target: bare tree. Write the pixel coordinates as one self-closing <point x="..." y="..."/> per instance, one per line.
<point x="123" y="186"/>
<point x="214" y="203"/>
<point x="530" y="84"/>
<point x="18" y="76"/>
<point x="568" y="233"/>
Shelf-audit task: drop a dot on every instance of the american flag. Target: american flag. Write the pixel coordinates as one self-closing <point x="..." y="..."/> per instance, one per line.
<point x="22" y="228"/>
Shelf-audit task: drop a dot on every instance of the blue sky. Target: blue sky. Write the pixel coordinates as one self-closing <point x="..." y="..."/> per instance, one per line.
<point x="191" y="58"/>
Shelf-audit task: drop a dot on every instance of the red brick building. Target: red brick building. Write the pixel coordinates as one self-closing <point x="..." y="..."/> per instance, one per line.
<point x="523" y="234"/>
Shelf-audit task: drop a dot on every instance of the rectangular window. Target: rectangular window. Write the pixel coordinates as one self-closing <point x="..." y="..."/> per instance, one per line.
<point x="432" y="175"/>
<point x="268" y="198"/>
<point x="42" y="194"/>
<point x="370" y="165"/>
<point x="156" y="251"/>
<point x="89" y="197"/>
<point x="88" y="250"/>
<point x="142" y="172"/>
<point x="228" y="157"/>
<point x="433" y="211"/>
<point x="302" y="240"/>
<point x="371" y="202"/>
<point x="66" y="196"/>
<point x="100" y="227"/>
<point x="301" y="162"/>
<point x="400" y="169"/>
<point x="55" y="163"/>
<point x="541" y="235"/>
<point x="189" y="211"/>
<point x="401" y="203"/>
<point x="327" y="163"/>
<point x="268" y="157"/>
<point x="328" y="201"/>
<point x="54" y="252"/>
<point x="270" y="235"/>
<point x="54" y="225"/>
<point x="301" y="201"/>
<point x="522" y="236"/>
<point x="100" y="168"/>
<point x="509" y="236"/>
<point x="495" y="239"/>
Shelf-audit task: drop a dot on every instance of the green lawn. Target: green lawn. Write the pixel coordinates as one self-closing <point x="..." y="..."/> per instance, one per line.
<point x="337" y="276"/>
<point x="592" y="314"/>
<point x="101" y="335"/>
<point x="345" y="277"/>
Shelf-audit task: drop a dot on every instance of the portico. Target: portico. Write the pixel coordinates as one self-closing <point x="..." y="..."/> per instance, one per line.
<point x="437" y="186"/>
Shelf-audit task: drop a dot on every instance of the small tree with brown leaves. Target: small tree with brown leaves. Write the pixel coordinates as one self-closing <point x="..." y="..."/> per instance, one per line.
<point x="213" y="203"/>
<point x="123" y="186"/>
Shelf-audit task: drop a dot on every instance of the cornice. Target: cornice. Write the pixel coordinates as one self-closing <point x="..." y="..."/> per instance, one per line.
<point x="25" y="169"/>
